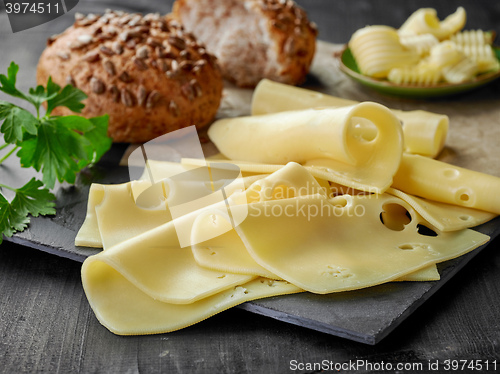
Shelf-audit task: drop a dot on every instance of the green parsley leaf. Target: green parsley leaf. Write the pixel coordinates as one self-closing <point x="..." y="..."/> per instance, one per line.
<point x="32" y="199"/>
<point x="97" y="138"/>
<point x="9" y="82"/>
<point x="59" y="147"/>
<point x="39" y="95"/>
<point x="70" y="97"/>
<point x="10" y="220"/>
<point x="16" y="121"/>
<point x="54" y="151"/>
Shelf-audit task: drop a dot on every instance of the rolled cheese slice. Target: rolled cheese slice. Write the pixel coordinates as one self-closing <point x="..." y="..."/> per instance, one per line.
<point x="424" y="132"/>
<point x="445" y="217"/>
<point x="442" y="182"/>
<point x="365" y="141"/>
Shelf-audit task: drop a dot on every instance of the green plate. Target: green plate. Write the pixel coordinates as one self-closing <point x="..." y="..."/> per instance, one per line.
<point x="348" y="66"/>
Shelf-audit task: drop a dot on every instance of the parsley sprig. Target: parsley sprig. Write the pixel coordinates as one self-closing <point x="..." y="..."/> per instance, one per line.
<point x="58" y="146"/>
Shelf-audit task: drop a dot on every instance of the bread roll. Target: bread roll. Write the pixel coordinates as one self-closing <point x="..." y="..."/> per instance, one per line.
<point x="146" y="72"/>
<point x="252" y="39"/>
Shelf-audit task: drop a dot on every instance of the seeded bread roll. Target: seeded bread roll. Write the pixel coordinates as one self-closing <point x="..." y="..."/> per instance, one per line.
<point x="146" y="72"/>
<point x="252" y="39"/>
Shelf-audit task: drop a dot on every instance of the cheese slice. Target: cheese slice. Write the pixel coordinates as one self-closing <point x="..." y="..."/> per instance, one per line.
<point x="119" y="217"/>
<point x="445" y="217"/>
<point x="353" y="140"/>
<point x="449" y="216"/>
<point x="442" y="182"/>
<point x="125" y="310"/>
<point x="88" y="235"/>
<point x="225" y="251"/>
<point x="424" y="132"/>
<point x="341" y="244"/>
<point x="155" y="263"/>
<point x="426" y="274"/>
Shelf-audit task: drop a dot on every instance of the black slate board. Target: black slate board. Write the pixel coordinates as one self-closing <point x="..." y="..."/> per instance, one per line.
<point x="366" y="315"/>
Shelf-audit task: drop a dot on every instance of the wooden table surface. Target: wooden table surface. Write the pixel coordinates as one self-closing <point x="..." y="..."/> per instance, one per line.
<point x="46" y="324"/>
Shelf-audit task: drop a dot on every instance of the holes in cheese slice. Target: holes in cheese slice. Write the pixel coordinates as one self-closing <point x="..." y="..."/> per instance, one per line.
<point x="445" y="217"/>
<point x="424" y="230"/>
<point x="395" y="216"/>
<point x="439" y="181"/>
<point x="413" y="246"/>
<point x="297" y="247"/>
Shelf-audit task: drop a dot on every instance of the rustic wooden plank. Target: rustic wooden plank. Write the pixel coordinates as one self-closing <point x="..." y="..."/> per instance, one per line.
<point x="47" y="326"/>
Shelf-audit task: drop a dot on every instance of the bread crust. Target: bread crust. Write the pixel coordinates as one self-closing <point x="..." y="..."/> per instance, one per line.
<point x="148" y="74"/>
<point x="292" y="37"/>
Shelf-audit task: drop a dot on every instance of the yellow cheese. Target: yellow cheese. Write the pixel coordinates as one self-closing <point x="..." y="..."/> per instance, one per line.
<point x="340" y="139"/>
<point x="155" y="170"/>
<point x="426" y="274"/>
<point x="341" y="244"/>
<point x="155" y="263"/>
<point x="125" y="310"/>
<point x="292" y="180"/>
<point x="424" y="132"/>
<point x="225" y="251"/>
<point x="228" y="253"/>
<point x="292" y="232"/>
<point x="442" y="182"/>
<point x="88" y="235"/>
<point x="445" y="217"/>
<point x="120" y="218"/>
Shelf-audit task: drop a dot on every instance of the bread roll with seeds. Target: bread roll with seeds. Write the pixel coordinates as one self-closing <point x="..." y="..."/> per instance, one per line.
<point x="252" y="39"/>
<point x="146" y="72"/>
